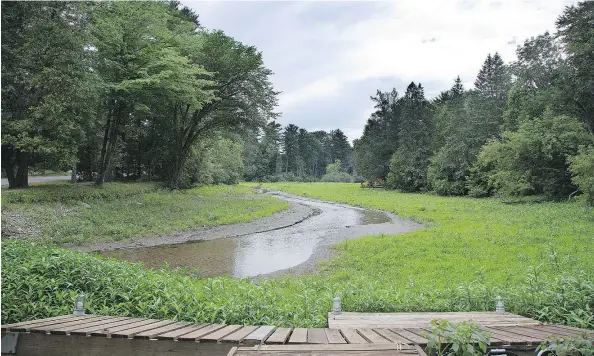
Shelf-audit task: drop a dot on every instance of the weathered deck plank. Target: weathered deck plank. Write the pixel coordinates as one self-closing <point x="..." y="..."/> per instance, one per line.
<point x="219" y="334"/>
<point x="353" y="337"/>
<point x="420" y="320"/>
<point x="151" y="334"/>
<point x="173" y="335"/>
<point x="196" y="335"/>
<point x="299" y="336"/>
<point x="239" y="335"/>
<point x="334" y="336"/>
<point x="259" y="336"/>
<point x="316" y="336"/>
<point x="279" y="336"/>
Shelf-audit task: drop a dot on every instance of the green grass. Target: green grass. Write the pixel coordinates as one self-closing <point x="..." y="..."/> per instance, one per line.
<point x="537" y="256"/>
<point x="118" y="211"/>
<point x="465" y="239"/>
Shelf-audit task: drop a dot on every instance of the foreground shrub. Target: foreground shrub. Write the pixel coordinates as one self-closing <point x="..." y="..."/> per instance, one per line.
<point x="39" y="282"/>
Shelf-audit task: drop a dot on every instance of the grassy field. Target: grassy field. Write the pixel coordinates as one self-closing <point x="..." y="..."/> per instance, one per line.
<point x="64" y="213"/>
<point x="465" y="239"/>
<point x="537" y="256"/>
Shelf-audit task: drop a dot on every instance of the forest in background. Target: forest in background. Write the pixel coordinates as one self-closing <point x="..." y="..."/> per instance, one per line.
<point x="142" y="91"/>
<point x="526" y="128"/>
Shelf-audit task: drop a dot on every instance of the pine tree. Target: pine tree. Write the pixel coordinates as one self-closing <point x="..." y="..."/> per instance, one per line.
<point x="408" y="167"/>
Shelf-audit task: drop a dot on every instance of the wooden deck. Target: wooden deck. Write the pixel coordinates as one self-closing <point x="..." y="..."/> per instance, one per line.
<point x="106" y="335"/>
<point x="422" y="320"/>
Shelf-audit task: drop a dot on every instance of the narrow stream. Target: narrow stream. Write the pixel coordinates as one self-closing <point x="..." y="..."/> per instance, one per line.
<point x="267" y="252"/>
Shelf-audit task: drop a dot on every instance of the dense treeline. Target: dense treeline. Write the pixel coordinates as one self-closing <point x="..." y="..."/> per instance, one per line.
<point x="140" y="90"/>
<point x="526" y="128"/>
<point x="124" y="90"/>
<point x="294" y="154"/>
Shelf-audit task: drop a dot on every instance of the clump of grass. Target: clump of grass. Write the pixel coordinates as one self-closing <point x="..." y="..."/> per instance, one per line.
<point x="120" y="211"/>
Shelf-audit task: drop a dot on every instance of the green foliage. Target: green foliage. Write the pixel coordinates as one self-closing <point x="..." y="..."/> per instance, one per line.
<point x="576" y="346"/>
<point x="457" y="339"/>
<point x="216" y="160"/>
<point x="484" y="248"/>
<point x="582" y="168"/>
<point x="120" y="211"/>
<point x="525" y="253"/>
<point x="533" y="160"/>
<point x="448" y="170"/>
<point x="334" y="173"/>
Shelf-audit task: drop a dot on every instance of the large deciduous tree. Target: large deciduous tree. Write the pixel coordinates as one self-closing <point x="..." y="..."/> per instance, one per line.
<point x="47" y="84"/>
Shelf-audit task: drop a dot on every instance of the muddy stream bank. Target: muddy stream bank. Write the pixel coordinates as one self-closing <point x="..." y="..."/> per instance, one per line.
<point x="287" y="242"/>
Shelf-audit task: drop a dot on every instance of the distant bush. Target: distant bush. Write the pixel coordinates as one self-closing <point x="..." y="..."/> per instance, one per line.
<point x="334" y="173"/>
<point x="405" y="175"/>
<point x="448" y="170"/>
<point x="216" y="160"/>
<point x="531" y="161"/>
<point x="582" y="167"/>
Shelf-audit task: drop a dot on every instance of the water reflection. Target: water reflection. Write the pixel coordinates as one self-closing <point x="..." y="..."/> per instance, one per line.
<point x="266" y="252"/>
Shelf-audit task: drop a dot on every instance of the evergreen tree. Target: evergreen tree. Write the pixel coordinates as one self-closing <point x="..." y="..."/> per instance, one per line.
<point x="408" y="167"/>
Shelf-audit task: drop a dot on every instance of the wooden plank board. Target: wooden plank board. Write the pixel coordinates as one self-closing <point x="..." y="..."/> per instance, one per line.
<point x="573" y="331"/>
<point x="239" y="335"/>
<point x="88" y="330"/>
<point x="334" y="336"/>
<point x="129" y="333"/>
<point x="419" y="320"/>
<point x="37" y="321"/>
<point x="408" y="334"/>
<point x="352" y="337"/>
<point x="39" y="324"/>
<point x="114" y="329"/>
<point x="151" y="334"/>
<point x="332" y="347"/>
<point x="279" y="336"/>
<point x="299" y="336"/>
<point x="528" y="331"/>
<point x="174" y="334"/>
<point x="390" y="335"/>
<point x="511" y="338"/>
<point x="67" y="329"/>
<point x="372" y="336"/>
<point x="55" y="328"/>
<point x="219" y="334"/>
<point x="196" y="335"/>
<point x="557" y="331"/>
<point x="316" y="336"/>
<point x="259" y="336"/>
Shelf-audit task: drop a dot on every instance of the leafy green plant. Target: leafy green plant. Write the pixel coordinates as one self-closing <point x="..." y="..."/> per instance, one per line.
<point x="576" y="346"/>
<point x="457" y="339"/>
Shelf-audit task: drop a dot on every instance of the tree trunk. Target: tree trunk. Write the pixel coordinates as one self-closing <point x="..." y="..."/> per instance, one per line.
<point x="109" y="141"/>
<point x="73" y="174"/>
<point x="174" y="181"/>
<point x="22" y="174"/>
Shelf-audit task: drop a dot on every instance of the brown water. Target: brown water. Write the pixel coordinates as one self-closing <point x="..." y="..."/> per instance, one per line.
<point x="266" y="252"/>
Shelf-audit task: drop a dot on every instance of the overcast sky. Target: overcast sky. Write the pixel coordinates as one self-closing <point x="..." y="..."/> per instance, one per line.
<point x="329" y="57"/>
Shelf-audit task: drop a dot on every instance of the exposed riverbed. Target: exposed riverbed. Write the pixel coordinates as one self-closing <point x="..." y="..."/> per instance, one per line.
<point x="289" y="242"/>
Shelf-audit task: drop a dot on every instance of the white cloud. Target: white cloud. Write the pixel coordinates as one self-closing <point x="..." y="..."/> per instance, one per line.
<point x="320" y="51"/>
